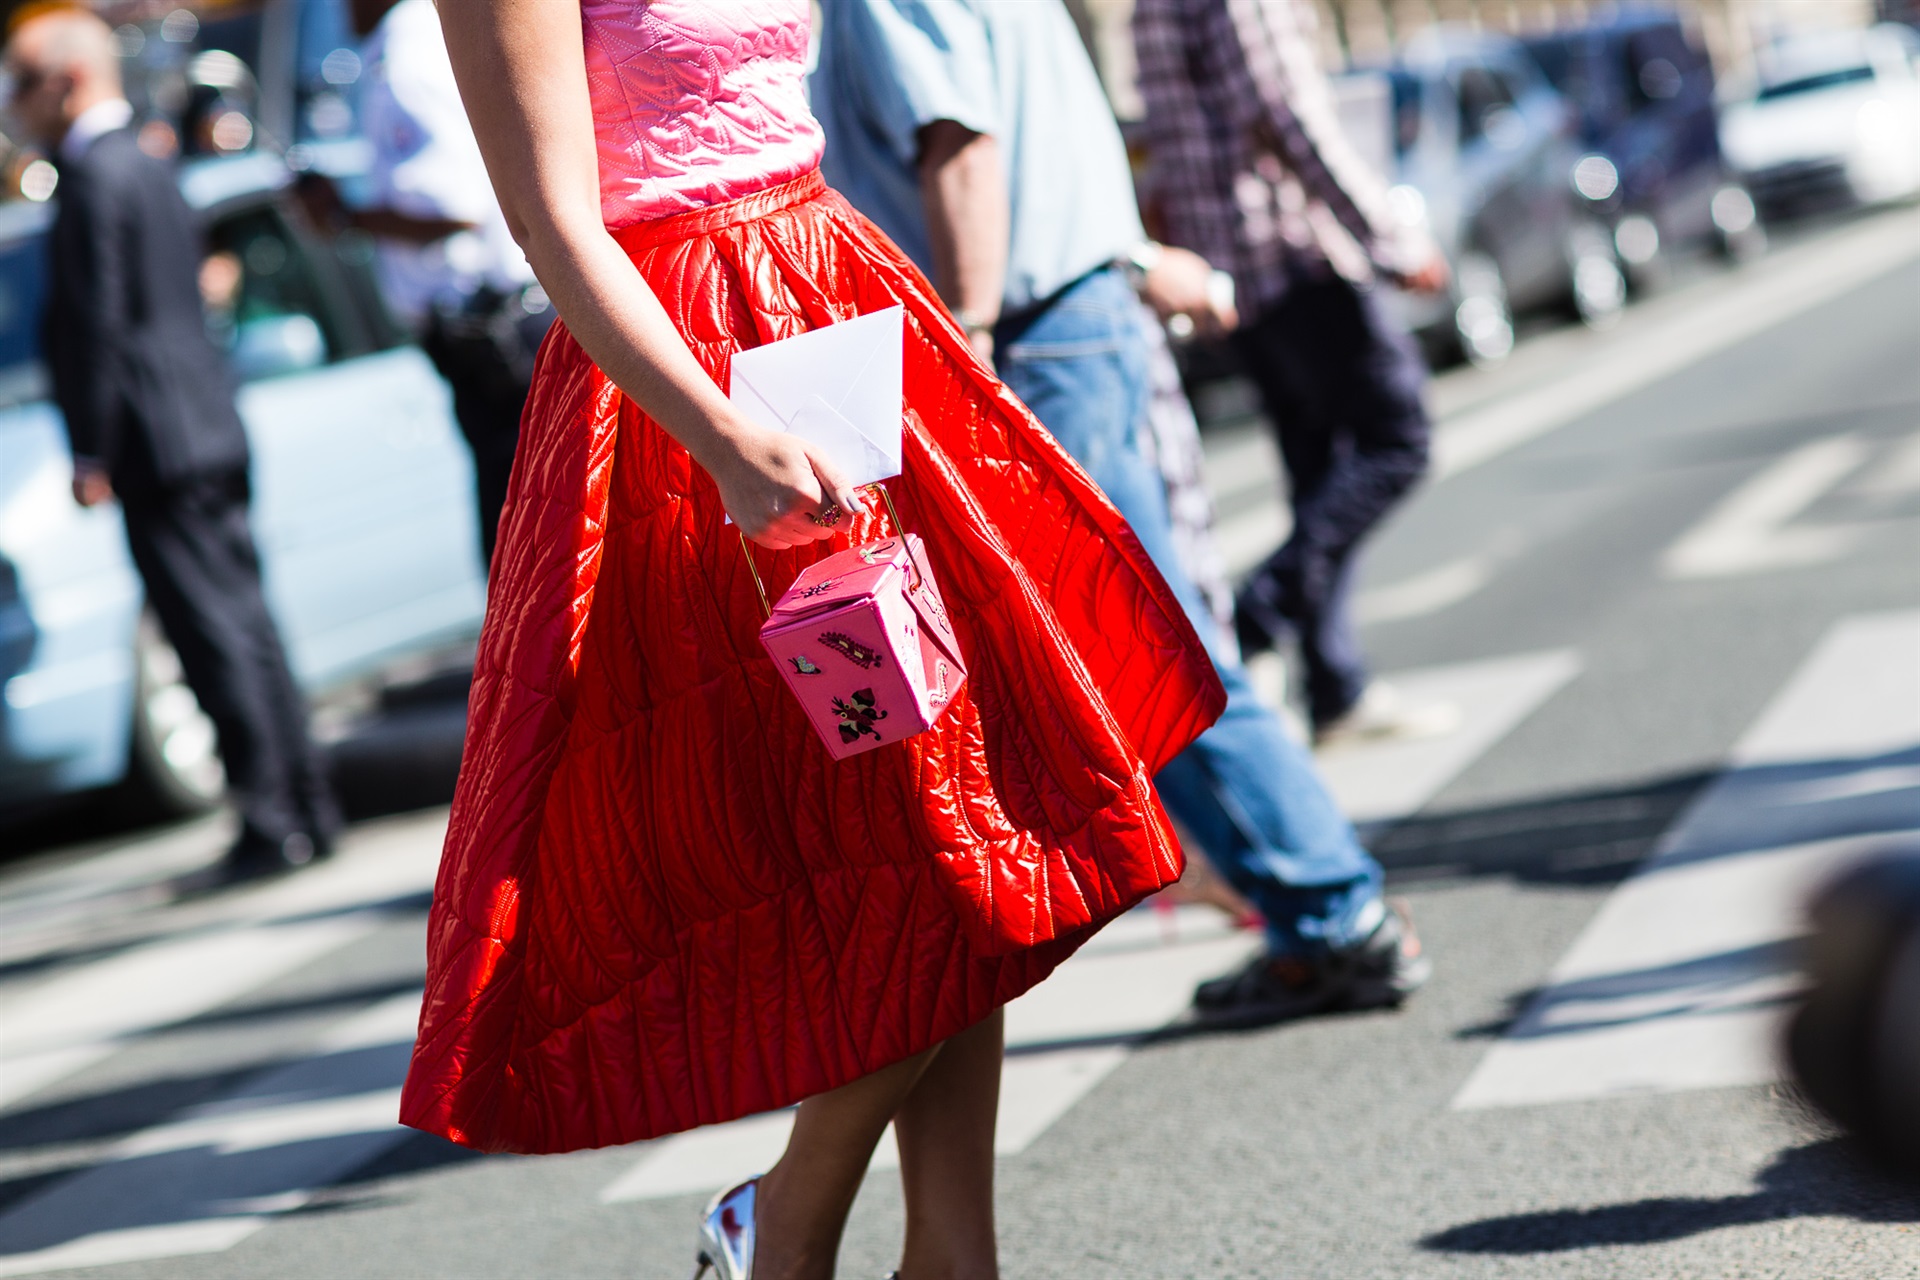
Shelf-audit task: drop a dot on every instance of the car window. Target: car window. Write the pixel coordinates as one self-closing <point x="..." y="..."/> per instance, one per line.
<point x="23" y="284"/>
<point x="264" y="301"/>
<point x="1409" y="107"/>
<point x="1815" y="83"/>
<point x="1660" y="63"/>
<point x="1486" y="102"/>
<point x="1555" y="56"/>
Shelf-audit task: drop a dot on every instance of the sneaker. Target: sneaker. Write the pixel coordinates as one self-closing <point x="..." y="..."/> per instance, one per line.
<point x="1382" y="714"/>
<point x="255" y="856"/>
<point x="1379" y="972"/>
<point x="1391" y="964"/>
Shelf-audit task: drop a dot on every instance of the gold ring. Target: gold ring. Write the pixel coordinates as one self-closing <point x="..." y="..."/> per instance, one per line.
<point x="827" y="516"/>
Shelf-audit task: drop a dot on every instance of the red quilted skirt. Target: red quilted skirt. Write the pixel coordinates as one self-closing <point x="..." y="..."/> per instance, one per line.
<point x="662" y="904"/>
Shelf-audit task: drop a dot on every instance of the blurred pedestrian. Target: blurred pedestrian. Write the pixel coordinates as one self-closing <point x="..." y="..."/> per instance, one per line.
<point x="447" y="264"/>
<point x="149" y="410"/>
<point x="976" y="134"/>
<point x="663" y="903"/>
<point x="1250" y="168"/>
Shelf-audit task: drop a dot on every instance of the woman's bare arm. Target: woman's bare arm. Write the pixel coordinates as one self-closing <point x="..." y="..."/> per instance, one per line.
<point x="522" y="74"/>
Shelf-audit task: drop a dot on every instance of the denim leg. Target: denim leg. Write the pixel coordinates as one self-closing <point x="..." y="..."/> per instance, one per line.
<point x="1249" y="793"/>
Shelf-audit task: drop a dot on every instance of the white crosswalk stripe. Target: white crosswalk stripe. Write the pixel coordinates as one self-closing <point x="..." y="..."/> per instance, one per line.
<point x="1753" y="529"/>
<point x="1681" y="979"/>
<point x="204" y="1181"/>
<point x="1676" y="984"/>
<point x="1385" y="780"/>
<point x="1069" y="1033"/>
<point x="207" y="1179"/>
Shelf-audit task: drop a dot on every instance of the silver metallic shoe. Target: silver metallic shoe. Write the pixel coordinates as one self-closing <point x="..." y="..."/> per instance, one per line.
<point x="726" y="1234"/>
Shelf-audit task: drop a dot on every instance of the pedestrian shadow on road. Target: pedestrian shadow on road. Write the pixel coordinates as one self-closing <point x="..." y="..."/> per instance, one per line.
<point x="1720" y="983"/>
<point x="1592" y="837"/>
<point x="1823" y="1179"/>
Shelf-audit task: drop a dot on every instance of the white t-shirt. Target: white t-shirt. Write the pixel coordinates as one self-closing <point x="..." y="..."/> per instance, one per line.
<point x="427" y="164"/>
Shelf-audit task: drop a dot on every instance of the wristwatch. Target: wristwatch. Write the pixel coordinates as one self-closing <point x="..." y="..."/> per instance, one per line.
<point x="1140" y="260"/>
<point x="973" y="322"/>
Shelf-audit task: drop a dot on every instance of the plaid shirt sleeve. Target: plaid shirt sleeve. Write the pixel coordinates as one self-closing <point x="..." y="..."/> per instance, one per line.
<point x="1264" y="53"/>
<point x="1190" y="177"/>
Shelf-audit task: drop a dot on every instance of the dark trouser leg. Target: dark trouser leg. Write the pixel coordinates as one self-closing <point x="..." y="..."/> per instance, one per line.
<point x="196" y="556"/>
<point x="488" y="398"/>
<point x="1343" y="387"/>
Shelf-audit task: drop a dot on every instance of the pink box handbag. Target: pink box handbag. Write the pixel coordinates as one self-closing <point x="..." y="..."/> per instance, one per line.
<point x="863" y="640"/>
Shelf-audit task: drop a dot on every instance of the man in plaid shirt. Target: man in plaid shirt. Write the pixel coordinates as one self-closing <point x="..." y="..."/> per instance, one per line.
<point x="1250" y="168"/>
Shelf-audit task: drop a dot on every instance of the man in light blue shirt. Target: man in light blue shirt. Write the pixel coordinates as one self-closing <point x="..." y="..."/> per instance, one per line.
<point x="887" y="71"/>
<point x="975" y="133"/>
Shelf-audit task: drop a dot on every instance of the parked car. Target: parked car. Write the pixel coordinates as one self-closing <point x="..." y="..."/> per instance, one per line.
<point x="362" y="504"/>
<point x="1484" y="149"/>
<point x="1642" y="89"/>
<point x="1829" y="119"/>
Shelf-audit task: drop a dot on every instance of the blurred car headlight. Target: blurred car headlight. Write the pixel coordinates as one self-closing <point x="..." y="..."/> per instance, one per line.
<point x="1733" y="210"/>
<point x="1877" y="126"/>
<point x="1595" y="177"/>
<point x="1637" y="240"/>
<point x="1740" y="142"/>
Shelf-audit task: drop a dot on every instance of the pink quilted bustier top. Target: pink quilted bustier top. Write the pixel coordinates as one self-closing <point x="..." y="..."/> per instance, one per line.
<point x="695" y="102"/>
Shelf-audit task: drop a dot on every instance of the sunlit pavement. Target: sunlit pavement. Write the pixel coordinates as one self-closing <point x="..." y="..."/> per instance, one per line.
<point x="1668" y="574"/>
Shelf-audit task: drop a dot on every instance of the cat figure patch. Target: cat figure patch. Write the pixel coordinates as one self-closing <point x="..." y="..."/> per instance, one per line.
<point x="857" y="717"/>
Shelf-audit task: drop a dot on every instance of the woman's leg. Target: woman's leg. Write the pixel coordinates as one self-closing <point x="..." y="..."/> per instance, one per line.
<point x="803" y="1200"/>
<point x="945" y="1130"/>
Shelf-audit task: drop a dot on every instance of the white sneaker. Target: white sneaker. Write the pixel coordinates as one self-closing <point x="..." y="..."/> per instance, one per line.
<point x="1384" y="715"/>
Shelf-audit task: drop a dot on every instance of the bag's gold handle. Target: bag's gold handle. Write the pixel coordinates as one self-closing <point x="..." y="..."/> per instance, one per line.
<point x="760" y="588"/>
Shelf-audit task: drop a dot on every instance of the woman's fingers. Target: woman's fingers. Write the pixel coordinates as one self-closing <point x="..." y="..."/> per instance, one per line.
<point x="790" y="494"/>
<point x="834" y="483"/>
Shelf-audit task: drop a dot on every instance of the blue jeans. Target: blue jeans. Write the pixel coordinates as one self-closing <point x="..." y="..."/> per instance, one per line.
<point x="1247" y="791"/>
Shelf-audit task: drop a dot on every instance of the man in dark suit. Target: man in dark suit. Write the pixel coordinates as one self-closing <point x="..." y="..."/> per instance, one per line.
<point x="149" y="409"/>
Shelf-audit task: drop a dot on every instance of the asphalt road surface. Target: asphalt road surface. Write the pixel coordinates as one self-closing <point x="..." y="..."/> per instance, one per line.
<point x="1670" y="577"/>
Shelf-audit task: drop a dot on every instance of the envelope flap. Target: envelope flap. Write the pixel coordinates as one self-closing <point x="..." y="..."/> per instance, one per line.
<point x="838" y="387"/>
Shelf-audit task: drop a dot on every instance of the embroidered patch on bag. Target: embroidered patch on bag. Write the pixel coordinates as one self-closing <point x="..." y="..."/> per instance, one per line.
<point x="931" y="601"/>
<point x="850" y="649"/>
<point x="819" y="589"/>
<point x="858" y="716"/>
<point x="939" y="680"/>
<point x="803" y="665"/>
<point x="873" y="555"/>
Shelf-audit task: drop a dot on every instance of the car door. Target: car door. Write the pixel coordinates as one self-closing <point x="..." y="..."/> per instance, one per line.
<point x="1550" y="152"/>
<point x="69" y="598"/>
<point x="1493" y="146"/>
<point x="362" y="485"/>
<point x="1673" y="165"/>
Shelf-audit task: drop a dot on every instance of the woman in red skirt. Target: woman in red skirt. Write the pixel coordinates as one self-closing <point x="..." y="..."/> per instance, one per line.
<point x="662" y="903"/>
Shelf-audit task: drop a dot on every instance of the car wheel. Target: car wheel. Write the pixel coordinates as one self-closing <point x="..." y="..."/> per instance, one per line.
<point x="1482" y="321"/>
<point x="1596" y="284"/>
<point x="173" y="761"/>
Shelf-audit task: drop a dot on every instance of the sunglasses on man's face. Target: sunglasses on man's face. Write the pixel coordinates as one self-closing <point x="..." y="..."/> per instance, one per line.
<point x="21" y="81"/>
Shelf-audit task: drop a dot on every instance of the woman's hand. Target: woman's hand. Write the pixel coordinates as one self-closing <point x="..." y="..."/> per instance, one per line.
<point x="780" y="490"/>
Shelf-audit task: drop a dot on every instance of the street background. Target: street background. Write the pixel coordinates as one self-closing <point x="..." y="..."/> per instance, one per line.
<point x="1667" y="572"/>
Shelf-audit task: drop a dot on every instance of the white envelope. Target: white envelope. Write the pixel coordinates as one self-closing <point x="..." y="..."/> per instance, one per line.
<point x="837" y="388"/>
